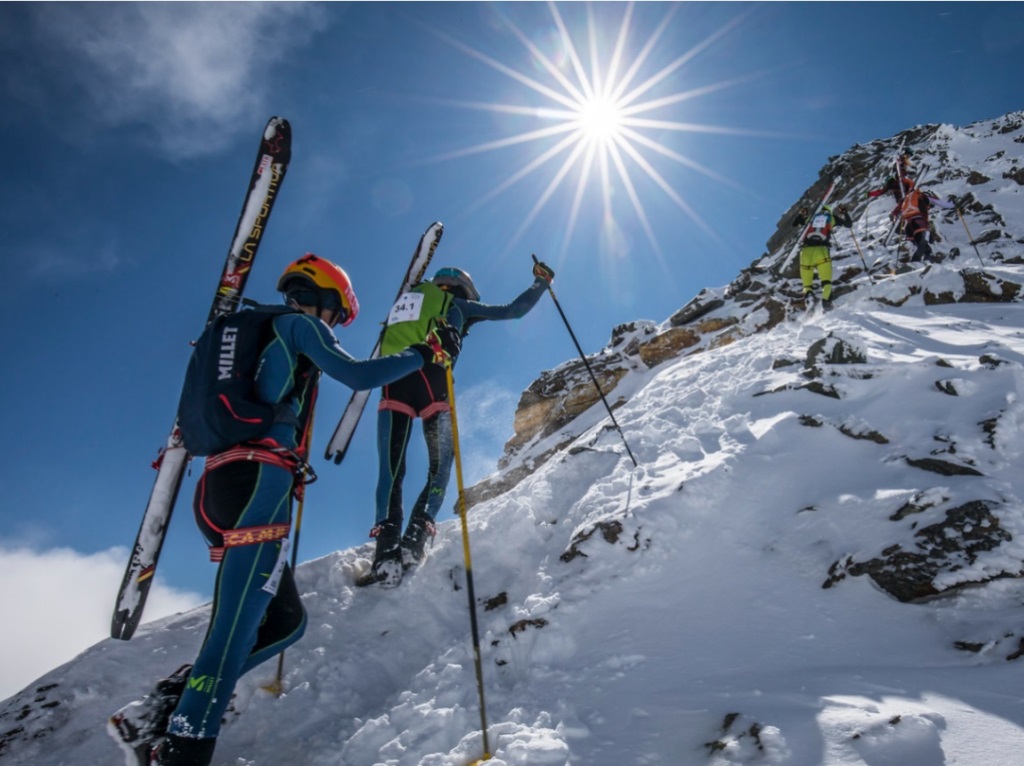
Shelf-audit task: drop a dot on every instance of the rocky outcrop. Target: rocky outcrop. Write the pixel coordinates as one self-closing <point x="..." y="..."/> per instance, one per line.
<point x="939" y="549"/>
<point x="763" y="296"/>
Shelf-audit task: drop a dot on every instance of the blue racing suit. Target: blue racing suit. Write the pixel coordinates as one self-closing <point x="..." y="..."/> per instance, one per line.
<point x="424" y="394"/>
<point x="247" y="491"/>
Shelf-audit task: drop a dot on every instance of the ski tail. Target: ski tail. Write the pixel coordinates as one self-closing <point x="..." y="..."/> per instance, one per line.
<point x="346" y="428"/>
<point x="264" y="183"/>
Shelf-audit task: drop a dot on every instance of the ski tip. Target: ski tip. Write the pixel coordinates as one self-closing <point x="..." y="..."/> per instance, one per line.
<point x="274" y="124"/>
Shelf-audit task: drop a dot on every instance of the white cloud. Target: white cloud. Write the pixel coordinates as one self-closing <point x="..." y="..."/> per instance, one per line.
<point x="59" y="602"/>
<point x="191" y="72"/>
<point x="485" y="411"/>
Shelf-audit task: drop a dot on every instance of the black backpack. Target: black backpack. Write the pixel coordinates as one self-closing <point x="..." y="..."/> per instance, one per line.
<point x="219" y="407"/>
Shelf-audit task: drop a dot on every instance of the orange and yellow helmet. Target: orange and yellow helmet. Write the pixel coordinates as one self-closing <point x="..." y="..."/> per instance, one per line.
<point x="316" y="281"/>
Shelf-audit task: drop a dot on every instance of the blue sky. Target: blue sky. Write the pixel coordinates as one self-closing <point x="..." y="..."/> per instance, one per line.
<point x="131" y="129"/>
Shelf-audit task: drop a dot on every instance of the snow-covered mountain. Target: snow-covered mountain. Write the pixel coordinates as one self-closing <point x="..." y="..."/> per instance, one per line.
<point x="817" y="561"/>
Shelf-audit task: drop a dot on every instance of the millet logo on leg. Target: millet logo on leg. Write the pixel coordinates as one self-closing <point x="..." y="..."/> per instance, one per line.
<point x="202" y="684"/>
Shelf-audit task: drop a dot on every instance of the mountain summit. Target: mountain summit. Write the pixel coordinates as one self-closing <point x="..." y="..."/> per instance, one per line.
<point x="817" y="561"/>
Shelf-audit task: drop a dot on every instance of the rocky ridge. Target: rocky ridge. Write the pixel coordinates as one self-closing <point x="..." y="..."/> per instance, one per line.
<point x="767" y="294"/>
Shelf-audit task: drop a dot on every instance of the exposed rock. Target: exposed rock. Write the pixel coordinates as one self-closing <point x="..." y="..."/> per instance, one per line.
<point x="833" y="350"/>
<point x="1016" y="174"/>
<point x="948" y="546"/>
<point x="979" y="287"/>
<point x="556" y="398"/>
<point x="920" y="503"/>
<point x="704" y="303"/>
<point x="943" y="467"/>
<point x="610" y="531"/>
<point x="668" y="345"/>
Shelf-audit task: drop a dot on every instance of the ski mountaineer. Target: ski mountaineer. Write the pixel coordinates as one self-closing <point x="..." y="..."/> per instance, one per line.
<point x="242" y="506"/>
<point x="899" y="184"/>
<point x="815" y="252"/>
<point x="424" y="394"/>
<point x="917" y="227"/>
<point x="898" y="187"/>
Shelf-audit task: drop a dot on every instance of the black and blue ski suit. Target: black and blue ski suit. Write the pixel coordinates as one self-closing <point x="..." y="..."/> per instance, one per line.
<point x="243" y="508"/>
<point x="424" y="394"/>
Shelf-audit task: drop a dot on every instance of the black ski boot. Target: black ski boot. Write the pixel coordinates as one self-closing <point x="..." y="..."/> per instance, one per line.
<point x="141" y="726"/>
<point x="182" y="751"/>
<point x="387" y="561"/>
<point x="415" y="539"/>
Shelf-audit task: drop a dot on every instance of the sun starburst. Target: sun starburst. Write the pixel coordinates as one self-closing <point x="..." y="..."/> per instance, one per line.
<point x="599" y="121"/>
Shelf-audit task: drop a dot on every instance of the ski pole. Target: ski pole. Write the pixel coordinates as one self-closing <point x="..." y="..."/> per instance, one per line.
<point x="469" y="565"/>
<point x="971" y="238"/>
<point x="589" y="369"/>
<point x="857" y="245"/>
<point x="276" y="687"/>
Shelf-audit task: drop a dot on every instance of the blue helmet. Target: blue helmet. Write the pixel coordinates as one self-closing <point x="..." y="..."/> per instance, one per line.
<point x="458" y="281"/>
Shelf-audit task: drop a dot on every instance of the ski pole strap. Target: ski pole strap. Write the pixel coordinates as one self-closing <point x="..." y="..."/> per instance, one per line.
<point x="249" y="536"/>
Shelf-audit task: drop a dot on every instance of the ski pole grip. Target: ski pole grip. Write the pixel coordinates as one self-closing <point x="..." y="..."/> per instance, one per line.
<point x="536" y="260"/>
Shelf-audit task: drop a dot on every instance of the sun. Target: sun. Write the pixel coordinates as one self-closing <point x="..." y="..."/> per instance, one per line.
<point x="598" y="122"/>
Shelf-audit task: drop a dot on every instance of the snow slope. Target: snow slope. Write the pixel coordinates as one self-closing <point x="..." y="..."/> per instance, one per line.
<point x="677" y="613"/>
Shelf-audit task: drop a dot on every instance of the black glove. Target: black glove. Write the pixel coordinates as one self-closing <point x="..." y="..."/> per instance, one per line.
<point x="958" y="204"/>
<point x="441" y="345"/>
<point x="801" y="217"/>
<point x="425" y="351"/>
<point x="542" y="271"/>
<point x="448" y="339"/>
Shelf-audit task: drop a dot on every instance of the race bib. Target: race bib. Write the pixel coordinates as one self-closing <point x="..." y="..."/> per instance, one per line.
<point x="407" y="308"/>
<point x="274" y="581"/>
<point x="819" y="222"/>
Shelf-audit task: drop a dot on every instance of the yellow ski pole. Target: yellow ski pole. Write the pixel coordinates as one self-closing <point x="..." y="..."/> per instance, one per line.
<point x="276" y="687"/>
<point x="961" y="216"/>
<point x="857" y="245"/>
<point x="469" y="566"/>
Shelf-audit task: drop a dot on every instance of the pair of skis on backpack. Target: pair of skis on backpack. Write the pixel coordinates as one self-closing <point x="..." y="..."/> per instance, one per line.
<point x="264" y="185"/>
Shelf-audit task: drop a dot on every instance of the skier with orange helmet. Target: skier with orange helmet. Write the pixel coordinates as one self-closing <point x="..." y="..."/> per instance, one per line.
<point x="243" y="509"/>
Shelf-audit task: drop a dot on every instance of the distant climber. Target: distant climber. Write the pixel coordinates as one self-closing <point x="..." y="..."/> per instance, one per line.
<point x="815" y="248"/>
<point x="898" y="184"/>
<point x="917" y="227"/>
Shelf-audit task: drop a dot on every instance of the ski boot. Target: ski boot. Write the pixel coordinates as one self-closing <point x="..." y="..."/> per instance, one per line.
<point x="387" y="561"/>
<point x="139" y="727"/>
<point x="183" y="751"/>
<point x="415" y="538"/>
